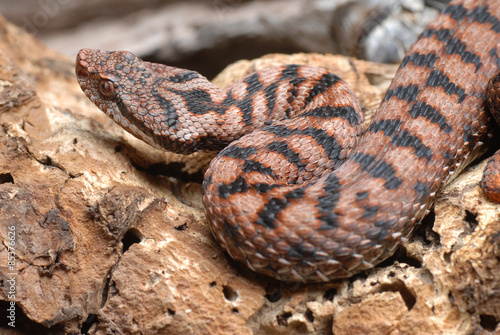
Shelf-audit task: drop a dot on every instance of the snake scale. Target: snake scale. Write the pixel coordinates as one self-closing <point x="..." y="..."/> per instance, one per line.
<point x="299" y="191"/>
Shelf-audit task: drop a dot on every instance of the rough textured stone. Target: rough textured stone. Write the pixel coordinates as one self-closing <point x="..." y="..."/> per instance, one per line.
<point x="361" y="319"/>
<point x="112" y="239"/>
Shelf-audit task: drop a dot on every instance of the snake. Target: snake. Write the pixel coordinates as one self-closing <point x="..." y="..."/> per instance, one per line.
<point x="299" y="190"/>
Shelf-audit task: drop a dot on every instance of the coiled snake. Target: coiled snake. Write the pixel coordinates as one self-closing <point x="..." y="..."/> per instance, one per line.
<point x="298" y="192"/>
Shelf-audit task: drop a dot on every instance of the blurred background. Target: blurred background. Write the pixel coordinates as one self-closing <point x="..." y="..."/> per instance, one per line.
<point x="207" y="35"/>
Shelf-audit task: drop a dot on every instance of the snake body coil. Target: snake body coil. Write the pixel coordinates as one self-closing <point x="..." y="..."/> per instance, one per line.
<point x="294" y="194"/>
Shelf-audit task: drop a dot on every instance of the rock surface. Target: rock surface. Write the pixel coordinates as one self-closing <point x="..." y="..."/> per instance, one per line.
<point x="111" y="237"/>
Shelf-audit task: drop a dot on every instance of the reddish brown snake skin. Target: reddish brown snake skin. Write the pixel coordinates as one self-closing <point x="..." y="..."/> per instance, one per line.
<point x="272" y="197"/>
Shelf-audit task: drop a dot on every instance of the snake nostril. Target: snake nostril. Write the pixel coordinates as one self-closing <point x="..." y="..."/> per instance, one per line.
<point x="81" y="72"/>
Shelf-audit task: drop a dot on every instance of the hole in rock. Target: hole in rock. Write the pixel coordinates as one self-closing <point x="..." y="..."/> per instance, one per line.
<point x="451" y="298"/>
<point x="91" y="319"/>
<point x="46" y="160"/>
<point x="400" y="287"/>
<point x="488" y="322"/>
<point x="212" y="284"/>
<point x="412" y="261"/>
<point x="283" y="318"/>
<point x="171" y="312"/>
<point x="330" y="294"/>
<point x="175" y="170"/>
<point x="112" y="289"/>
<point x="181" y="227"/>
<point x="75" y="141"/>
<point x="447" y="257"/>
<point x="424" y="231"/>
<point x="400" y="256"/>
<point x="309" y="315"/>
<point x="471" y="218"/>
<point x="118" y="148"/>
<point x="360" y="276"/>
<point x="273" y="294"/>
<point x="132" y="236"/>
<point x="6" y="178"/>
<point x="235" y="311"/>
<point x="229" y="293"/>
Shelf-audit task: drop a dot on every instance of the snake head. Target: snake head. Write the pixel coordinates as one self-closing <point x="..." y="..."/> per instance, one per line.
<point x="104" y="77"/>
<point x="99" y="74"/>
<point x="123" y="86"/>
<point x="166" y="107"/>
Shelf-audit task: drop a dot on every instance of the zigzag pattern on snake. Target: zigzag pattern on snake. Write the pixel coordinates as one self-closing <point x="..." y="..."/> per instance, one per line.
<point x="294" y="194"/>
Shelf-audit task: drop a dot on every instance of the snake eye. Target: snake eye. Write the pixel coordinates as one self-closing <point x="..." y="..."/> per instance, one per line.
<point x="106" y="88"/>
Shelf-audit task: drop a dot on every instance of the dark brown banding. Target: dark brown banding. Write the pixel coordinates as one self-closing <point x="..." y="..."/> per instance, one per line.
<point x="267" y="215"/>
<point x="345" y="112"/>
<point x="328" y="143"/>
<point x="324" y="83"/>
<point x="254" y="84"/>
<point x="438" y="78"/>
<point x="418" y="59"/>
<point x="400" y="137"/>
<point x="406" y="93"/>
<point x="181" y="77"/>
<point x="422" y="109"/>
<point x="378" y="169"/>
